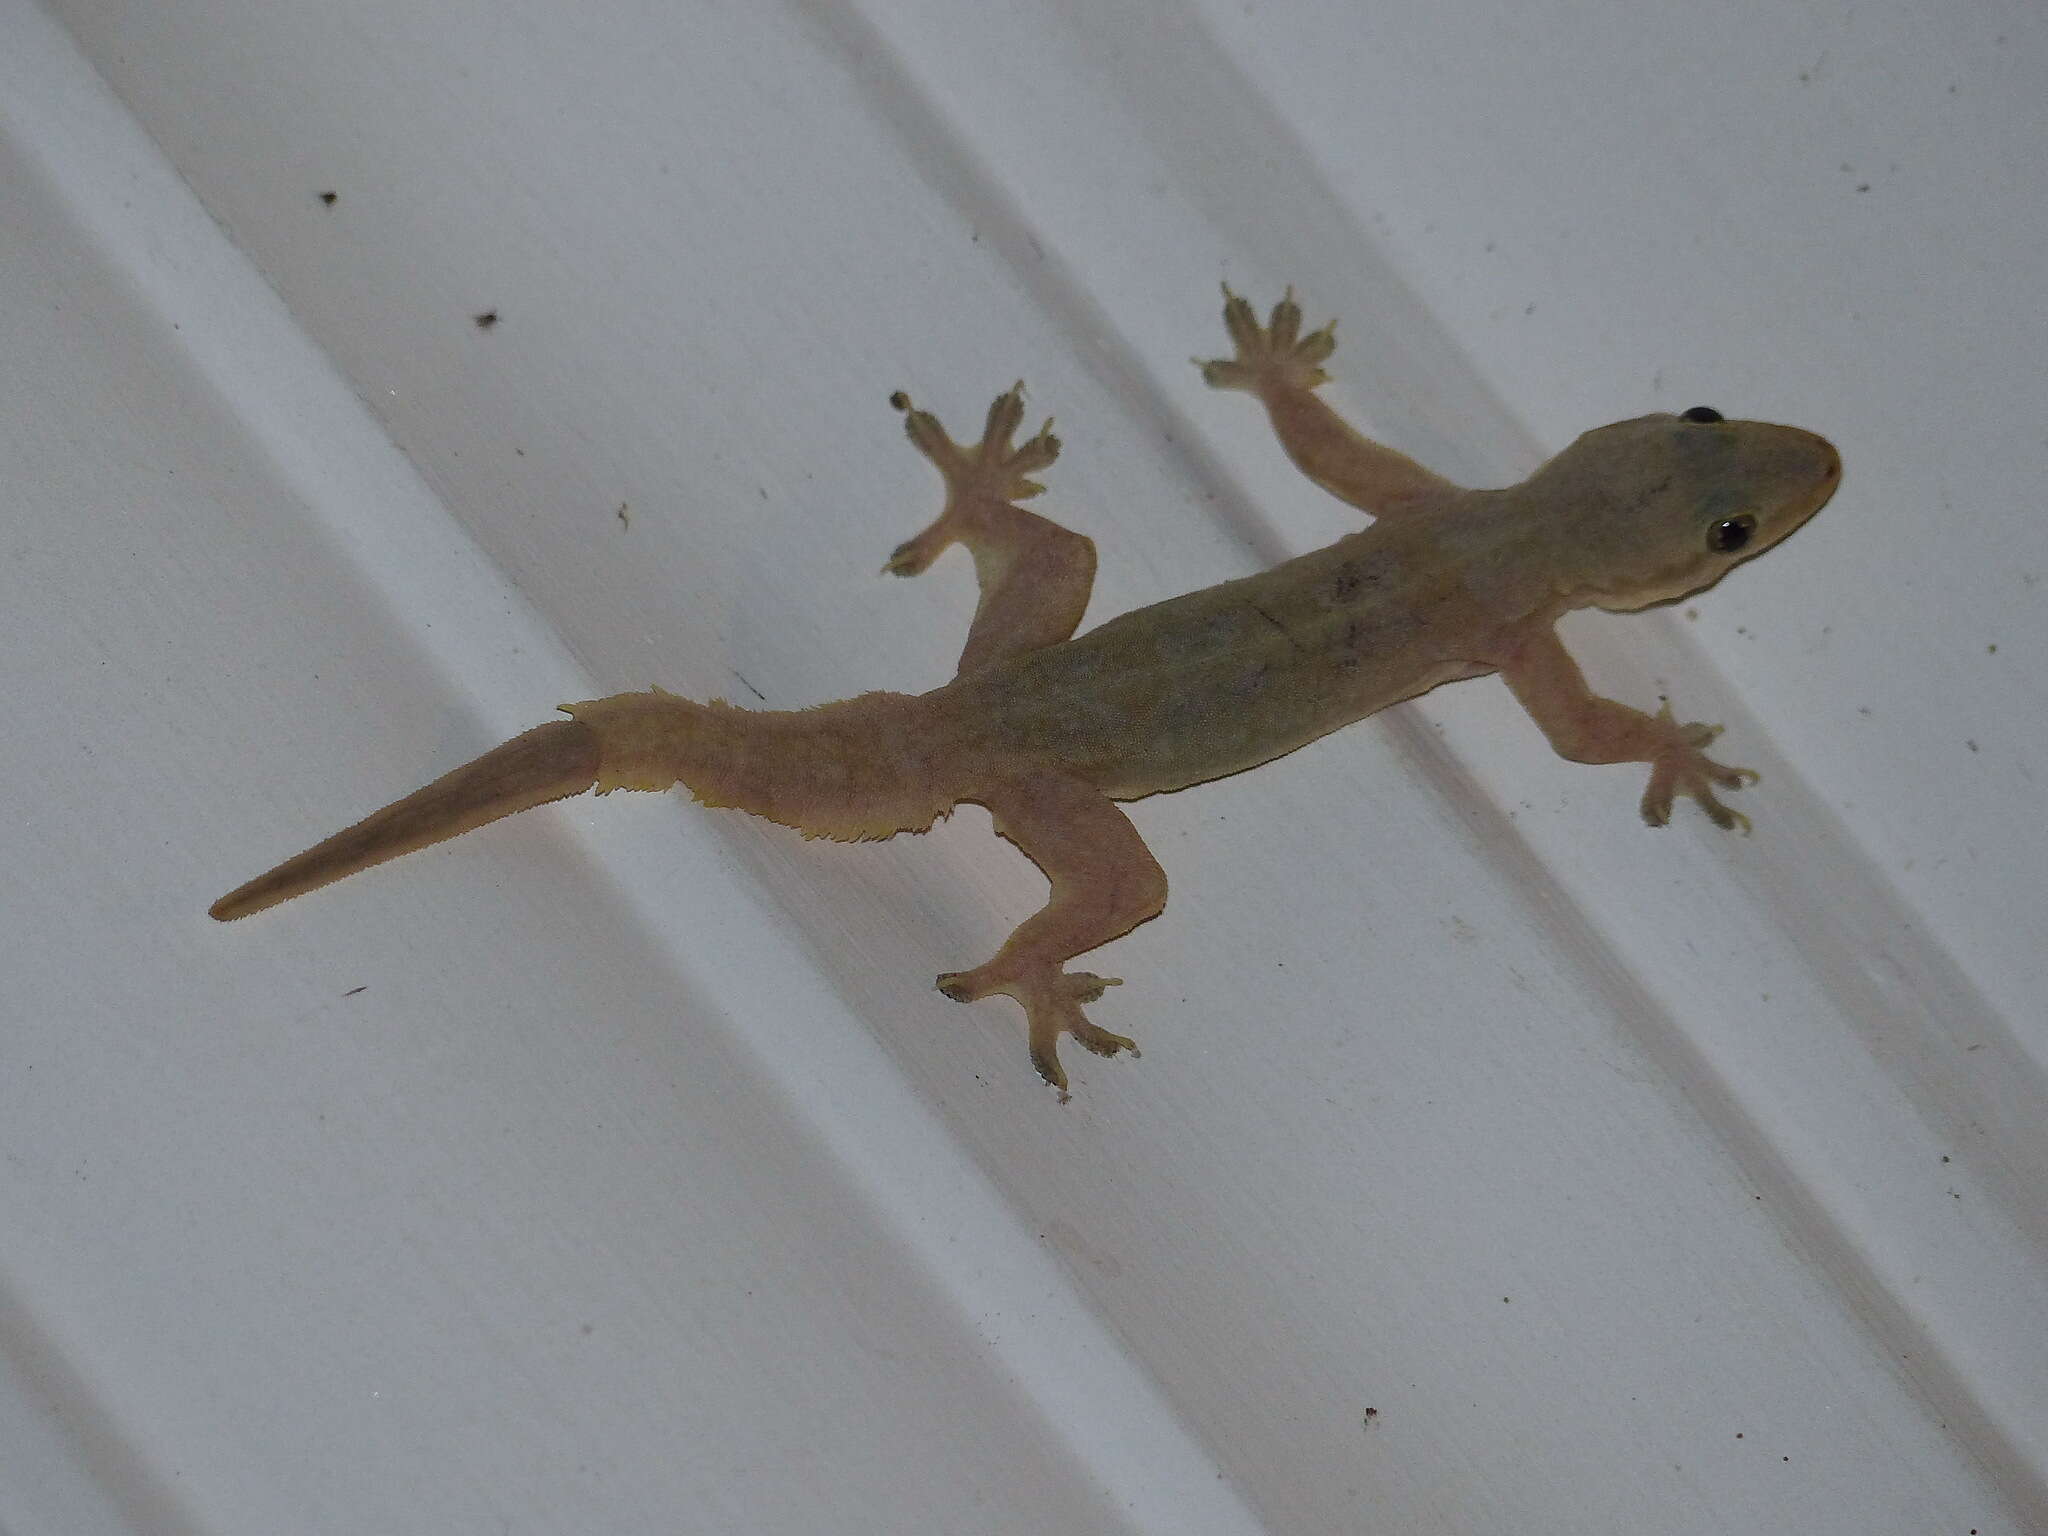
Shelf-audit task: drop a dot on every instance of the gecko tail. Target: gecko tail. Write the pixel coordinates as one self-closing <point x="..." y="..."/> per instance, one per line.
<point x="549" y="762"/>
<point x="853" y="770"/>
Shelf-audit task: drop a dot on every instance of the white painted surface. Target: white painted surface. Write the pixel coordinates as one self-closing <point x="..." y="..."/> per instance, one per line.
<point x="1640" y="1182"/>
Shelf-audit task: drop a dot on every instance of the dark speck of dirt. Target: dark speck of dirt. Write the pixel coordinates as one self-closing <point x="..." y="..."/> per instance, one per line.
<point x="487" y="319"/>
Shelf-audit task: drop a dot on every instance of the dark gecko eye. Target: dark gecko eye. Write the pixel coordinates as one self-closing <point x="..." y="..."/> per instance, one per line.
<point x="1702" y="414"/>
<point x="1725" y="538"/>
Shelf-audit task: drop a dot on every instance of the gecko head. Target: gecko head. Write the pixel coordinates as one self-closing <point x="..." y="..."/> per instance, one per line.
<point x="1661" y="506"/>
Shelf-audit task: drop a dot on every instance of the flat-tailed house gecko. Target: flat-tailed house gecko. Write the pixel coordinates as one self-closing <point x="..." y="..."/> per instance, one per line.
<point x="1049" y="732"/>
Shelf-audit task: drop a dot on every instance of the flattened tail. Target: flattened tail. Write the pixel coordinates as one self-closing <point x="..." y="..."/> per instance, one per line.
<point x="549" y="762"/>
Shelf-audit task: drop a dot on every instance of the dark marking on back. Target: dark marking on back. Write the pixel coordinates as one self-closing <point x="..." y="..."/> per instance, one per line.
<point x="1286" y="634"/>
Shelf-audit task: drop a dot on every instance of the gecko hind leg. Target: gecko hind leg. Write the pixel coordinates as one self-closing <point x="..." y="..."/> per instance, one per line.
<point x="1105" y="882"/>
<point x="1035" y="576"/>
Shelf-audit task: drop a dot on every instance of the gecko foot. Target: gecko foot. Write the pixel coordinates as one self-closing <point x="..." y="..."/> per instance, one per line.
<point x="1273" y="356"/>
<point x="1685" y="769"/>
<point x="989" y="471"/>
<point x="1052" y="1001"/>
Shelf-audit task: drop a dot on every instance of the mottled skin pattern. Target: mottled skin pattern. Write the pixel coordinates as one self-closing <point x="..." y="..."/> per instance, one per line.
<point x="1049" y="732"/>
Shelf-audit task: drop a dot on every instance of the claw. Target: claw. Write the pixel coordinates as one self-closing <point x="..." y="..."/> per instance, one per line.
<point x="990" y="470"/>
<point x="1273" y="357"/>
<point x="1285" y="327"/>
<point x="1052" y="1002"/>
<point x="1004" y="413"/>
<point x="1242" y="324"/>
<point x="1689" y="771"/>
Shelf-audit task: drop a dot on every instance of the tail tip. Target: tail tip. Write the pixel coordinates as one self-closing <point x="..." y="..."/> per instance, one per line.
<point x="238" y="903"/>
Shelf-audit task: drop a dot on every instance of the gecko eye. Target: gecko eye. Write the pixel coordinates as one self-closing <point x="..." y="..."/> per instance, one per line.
<point x="1702" y="414"/>
<point x="1724" y="538"/>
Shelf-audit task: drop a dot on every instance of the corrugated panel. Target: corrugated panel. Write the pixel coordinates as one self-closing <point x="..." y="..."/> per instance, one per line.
<point x="1494" y="1163"/>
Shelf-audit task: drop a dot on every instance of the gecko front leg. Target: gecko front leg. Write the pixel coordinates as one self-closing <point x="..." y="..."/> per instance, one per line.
<point x="1104" y="883"/>
<point x="1284" y="369"/>
<point x="1586" y="728"/>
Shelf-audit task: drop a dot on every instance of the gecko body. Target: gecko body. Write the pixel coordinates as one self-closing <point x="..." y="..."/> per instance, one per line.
<point x="1049" y="731"/>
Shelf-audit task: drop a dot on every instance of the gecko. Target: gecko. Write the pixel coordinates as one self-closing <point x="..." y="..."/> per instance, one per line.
<point x="1049" y="731"/>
